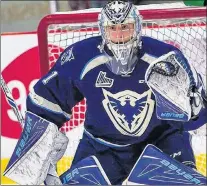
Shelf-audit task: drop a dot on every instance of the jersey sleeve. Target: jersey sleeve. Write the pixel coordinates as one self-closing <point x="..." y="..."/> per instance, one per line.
<point x="202" y="117"/>
<point x="54" y="95"/>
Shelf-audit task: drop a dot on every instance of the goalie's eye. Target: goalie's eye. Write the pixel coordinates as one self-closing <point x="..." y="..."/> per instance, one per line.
<point x="112" y="28"/>
<point x="125" y="27"/>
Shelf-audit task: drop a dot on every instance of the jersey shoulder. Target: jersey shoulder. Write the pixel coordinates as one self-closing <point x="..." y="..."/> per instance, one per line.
<point x="73" y="59"/>
<point x="155" y="47"/>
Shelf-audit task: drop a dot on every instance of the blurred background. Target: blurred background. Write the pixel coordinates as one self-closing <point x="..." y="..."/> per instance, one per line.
<point x="23" y="16"/>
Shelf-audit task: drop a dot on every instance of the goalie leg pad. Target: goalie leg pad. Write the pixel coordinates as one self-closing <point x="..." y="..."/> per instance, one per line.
<point x="156" y="168"/>
<point x="30" y="160"/>
<point x="86" y="172"/>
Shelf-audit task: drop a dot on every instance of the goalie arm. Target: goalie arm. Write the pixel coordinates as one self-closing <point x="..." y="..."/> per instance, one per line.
<point x="198" y="97"/>
<point x="197" y="83"/>
<point x="202" y="119"/>
<point x="54" y="95"/>
<point x="57" y="152"/>
<point x="51" y="101"/>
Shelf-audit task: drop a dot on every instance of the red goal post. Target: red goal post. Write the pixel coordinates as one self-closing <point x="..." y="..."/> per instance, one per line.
<point x="183" y="27"/>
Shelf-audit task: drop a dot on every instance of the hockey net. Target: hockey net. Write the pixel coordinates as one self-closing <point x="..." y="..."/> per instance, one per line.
<point x="184" y="28"/>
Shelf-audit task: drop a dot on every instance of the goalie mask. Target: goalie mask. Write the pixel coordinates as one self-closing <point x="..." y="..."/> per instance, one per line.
<point x="120" y="25"/>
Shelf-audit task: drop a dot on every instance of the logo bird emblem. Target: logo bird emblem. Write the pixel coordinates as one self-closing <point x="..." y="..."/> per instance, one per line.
<point x="129" y="111"/>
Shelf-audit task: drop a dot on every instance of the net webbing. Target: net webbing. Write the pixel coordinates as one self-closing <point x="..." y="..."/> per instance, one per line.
<point x="187" y="34"/>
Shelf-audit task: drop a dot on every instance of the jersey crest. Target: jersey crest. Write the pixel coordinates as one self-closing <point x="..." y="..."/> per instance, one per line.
<point x="129" y="111"/>
<point x="103" y="81"/>
<point x="67" y="56"/>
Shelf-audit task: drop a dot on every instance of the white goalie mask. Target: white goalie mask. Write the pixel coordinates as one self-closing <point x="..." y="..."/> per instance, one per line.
<point x="120" y="24"/>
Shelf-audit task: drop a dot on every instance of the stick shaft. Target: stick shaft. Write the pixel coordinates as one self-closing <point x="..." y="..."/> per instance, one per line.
<point x="11" y="102"/>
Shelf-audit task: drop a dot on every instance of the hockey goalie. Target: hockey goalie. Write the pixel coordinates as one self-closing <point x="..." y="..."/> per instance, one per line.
<point x="140" y="92"/>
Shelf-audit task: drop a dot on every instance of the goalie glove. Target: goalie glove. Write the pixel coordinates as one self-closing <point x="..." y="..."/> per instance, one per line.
<point x="176" y="87"/>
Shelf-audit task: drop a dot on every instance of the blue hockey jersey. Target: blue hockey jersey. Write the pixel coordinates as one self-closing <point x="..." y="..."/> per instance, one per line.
<point x="120" y="110"/>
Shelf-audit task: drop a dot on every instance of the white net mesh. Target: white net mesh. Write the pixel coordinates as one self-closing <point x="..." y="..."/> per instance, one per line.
<point x="187" y="34"/>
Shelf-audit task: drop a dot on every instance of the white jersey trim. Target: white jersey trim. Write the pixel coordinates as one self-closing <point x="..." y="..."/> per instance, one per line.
<point x="99" y="140"/>
<point x="47" y="105"/>
<point x="93" y="63"/>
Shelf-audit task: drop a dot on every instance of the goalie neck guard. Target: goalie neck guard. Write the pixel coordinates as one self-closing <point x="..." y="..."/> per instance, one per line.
<point x="120" y="24"/>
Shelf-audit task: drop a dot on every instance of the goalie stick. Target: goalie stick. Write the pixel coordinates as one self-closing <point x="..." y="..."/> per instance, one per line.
<point x="51" y="172"/>
<point x="11" y="102"/>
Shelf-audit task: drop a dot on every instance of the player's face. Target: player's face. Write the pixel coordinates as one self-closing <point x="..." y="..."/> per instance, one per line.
<point x="120" y="33"/>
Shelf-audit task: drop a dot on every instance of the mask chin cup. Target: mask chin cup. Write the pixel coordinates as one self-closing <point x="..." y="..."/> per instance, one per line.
<point x="122" y="52"/>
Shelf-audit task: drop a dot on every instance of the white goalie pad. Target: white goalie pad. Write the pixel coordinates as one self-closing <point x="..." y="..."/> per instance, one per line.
<point x="52" y="177"/>
<point x="31" y="158"/>
<point x="172" y="79"/>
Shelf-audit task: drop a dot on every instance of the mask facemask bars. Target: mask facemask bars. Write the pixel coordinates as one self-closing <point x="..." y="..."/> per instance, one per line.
<point x="120" y="25"/>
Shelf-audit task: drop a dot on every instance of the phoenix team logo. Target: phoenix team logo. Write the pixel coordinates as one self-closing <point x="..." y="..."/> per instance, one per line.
<point x="129" y="111"/>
